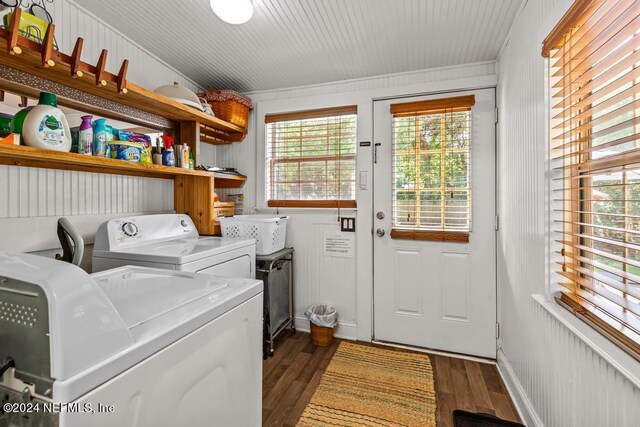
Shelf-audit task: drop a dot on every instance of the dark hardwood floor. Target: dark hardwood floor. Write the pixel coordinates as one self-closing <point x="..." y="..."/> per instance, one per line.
<point x="291" y="376"/>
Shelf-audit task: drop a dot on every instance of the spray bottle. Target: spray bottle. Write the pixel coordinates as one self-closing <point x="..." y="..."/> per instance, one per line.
<point x="168" y="157"/>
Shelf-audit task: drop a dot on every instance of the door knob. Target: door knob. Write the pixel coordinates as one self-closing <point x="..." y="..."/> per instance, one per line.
<point x="380" y="232"/>
<point x="380" y="215"/>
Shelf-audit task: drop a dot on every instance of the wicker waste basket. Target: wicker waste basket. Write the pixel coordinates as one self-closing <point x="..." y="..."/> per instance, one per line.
<point x="323" y="320"/>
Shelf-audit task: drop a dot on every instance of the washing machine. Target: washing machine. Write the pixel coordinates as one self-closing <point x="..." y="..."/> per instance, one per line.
<point x="131" y="346"/>
<point x="171" y="241"/>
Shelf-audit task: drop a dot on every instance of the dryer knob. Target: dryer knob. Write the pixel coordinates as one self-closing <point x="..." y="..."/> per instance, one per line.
<point x="129" y="229"/>
<point x="183" y="223"/>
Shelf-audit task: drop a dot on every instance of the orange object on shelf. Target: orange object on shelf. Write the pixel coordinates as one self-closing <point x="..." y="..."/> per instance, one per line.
<point x="11" y="139"/>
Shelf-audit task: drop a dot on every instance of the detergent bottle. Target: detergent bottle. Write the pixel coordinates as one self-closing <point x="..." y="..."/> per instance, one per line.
<point x="85" y="136"/>
<point x="45" y="126"/>
<point x="168" y="157"/>
<point x="100" y="142"/>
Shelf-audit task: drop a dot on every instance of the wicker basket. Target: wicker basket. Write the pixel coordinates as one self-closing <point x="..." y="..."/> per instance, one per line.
<point x="229" y="106"/>
<point x="321" y="336"/>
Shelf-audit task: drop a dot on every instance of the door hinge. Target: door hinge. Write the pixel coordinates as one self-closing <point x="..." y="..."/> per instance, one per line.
<point x="497" y="222"/>
<point x="496" y="115"/>
<point x="375" y="152"/>
<point x="497" y="330"/>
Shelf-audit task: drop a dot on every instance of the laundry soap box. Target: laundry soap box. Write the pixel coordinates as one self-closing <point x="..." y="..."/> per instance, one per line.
<point x="126" y="150"/>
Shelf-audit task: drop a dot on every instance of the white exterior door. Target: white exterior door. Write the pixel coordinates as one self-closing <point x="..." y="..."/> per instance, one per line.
<point x="427" y="293"/>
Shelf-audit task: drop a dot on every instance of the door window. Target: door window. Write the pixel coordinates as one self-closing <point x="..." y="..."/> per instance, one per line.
<point x="432" y="169"/>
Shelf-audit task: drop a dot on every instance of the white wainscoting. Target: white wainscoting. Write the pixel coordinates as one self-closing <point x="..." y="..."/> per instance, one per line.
<point x="559" y="379"/>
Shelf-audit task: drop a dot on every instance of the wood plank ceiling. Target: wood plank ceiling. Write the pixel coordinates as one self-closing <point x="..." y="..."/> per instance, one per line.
<point x="292" y="43"/>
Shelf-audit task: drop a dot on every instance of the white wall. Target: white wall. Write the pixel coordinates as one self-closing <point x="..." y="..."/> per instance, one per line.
<point x="561" y="381"/>
<point x="343" y="283"/>
<point x="31" y="200"/>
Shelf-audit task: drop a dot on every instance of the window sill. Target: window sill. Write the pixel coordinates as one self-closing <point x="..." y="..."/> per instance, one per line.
<point x="327" y="204"/>
<point x="303" y="210"/>
<point x="615" y="356"/>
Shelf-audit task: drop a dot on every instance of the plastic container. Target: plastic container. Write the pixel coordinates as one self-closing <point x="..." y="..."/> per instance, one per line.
<point x="100" y="138"/>
<point x="125" y="150"/>
<point x="168" y="156"/>
<point x="323" y="319"/>
<point x="45" y="126"/>
<point x="18" y="121"/>
<point x="5" y="124"/>
<point x="269" y="231"/>
<point x="85" y="136"/>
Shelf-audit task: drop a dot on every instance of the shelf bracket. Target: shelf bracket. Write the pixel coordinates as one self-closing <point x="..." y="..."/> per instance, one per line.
<point x="14" y="32"/>
<point x="47" y="46"/>
<point x="121" y="81"/>
<point x="100" y="74"/>
<point x="75" y="58"/>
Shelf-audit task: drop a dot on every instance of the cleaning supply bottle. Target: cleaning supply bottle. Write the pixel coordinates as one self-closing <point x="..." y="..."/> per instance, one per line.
<point x="192" y="163"/>
<point x="100" y="138"/>
<point x="85" y="136"/>
<point x="185" y="157"/>
<point x="18" y="121"/>
<point x="45" y="126"/>
<point x="168" y="157"/>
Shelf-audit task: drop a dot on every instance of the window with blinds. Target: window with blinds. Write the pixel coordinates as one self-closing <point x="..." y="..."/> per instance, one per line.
<point x="311" y="158"/>
<point x="431" y="169"/>
<point x="594" y="55"/>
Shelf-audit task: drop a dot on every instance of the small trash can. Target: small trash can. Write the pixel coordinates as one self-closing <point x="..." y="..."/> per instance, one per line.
<point x="323" y="319"/>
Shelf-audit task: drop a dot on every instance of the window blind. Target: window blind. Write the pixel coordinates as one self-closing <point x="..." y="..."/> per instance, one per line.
<point x="311" y="158"/>
<point x="594" y="55"/>
<point x="431" y="189"/>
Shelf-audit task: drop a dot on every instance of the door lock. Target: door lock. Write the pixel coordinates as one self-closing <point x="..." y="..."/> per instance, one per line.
<point x="380" y="215"/>
<point x="380" y="232"/>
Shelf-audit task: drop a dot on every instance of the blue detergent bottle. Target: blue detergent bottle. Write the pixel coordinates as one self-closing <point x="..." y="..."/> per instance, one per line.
<point x="100" y="138"/>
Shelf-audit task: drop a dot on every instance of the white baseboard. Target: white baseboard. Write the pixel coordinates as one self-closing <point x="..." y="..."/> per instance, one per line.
<point x="344" y="330"/>
<point x="525" y="408"/>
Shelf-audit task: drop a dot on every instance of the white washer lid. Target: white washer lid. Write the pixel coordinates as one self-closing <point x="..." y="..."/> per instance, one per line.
<point x="165" y="315"/>
<point x="177" y="251"/>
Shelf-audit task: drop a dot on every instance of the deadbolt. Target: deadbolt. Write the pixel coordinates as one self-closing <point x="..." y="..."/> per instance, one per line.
<point x="380" y="215"/>
<point x="380" y="232"/>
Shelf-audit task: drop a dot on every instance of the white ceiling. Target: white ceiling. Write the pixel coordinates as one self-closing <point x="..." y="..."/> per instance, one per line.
<point x="291" y="43"/>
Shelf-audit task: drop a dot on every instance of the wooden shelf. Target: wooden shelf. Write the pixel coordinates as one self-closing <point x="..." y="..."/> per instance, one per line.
<point x="59" y="70"/>
<point x="229" y="181"/>
<point x="214" y="136"/>
<point x="19" y="155"/>
<point x="193" y="189"/>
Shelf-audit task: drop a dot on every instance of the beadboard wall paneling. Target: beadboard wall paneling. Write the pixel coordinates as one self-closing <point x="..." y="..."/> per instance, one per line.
<point x="27" y="194"/>
<point x="321" y="279"/>
<point x="345" y="283"/>
<point x="563" y="382"/>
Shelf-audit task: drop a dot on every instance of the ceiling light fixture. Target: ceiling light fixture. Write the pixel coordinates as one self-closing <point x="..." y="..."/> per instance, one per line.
<point x="233" y="11"/>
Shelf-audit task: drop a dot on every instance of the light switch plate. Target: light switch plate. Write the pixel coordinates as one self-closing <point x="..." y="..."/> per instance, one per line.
<point x="347" y="224"/>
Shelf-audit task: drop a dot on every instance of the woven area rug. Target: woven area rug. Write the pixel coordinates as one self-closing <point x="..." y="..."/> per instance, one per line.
<point x="373" y="387"/>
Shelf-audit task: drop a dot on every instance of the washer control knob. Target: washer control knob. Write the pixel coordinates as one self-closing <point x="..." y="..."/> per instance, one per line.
<point x="183" y="223"/>
<point x="129" y="229"/>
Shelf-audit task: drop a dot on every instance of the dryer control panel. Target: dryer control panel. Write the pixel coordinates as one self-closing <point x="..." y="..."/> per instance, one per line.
<point x="130" y="231"/>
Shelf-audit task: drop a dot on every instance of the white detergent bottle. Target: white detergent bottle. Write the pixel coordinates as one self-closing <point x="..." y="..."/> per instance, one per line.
<point x="46" y="126"/>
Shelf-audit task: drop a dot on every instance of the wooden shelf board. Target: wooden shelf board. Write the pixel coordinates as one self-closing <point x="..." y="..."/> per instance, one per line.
<point x="228" y="181"/>
<point x="136" y="96"/>
<point x="49" y="159"/>
<point x="215" y="136"/>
